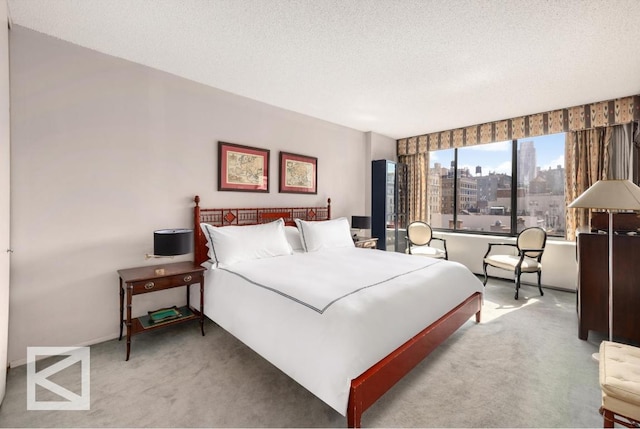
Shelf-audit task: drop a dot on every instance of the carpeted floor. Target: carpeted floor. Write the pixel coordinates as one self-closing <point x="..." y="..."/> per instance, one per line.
<point x="523" y="366"/>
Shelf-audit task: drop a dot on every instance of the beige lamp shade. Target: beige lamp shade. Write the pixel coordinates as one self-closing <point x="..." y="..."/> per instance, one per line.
<point x="611" y="195"/>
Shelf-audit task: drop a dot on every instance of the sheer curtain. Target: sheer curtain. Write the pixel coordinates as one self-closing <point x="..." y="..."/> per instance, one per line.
<point x="417" y="174"/>
<point x="620" y="159"/>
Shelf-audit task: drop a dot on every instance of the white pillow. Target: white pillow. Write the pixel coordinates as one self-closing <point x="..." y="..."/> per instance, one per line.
<point x="325" y="234"/>
<point x="294" y="239"/>
<point x="231" y="244"/>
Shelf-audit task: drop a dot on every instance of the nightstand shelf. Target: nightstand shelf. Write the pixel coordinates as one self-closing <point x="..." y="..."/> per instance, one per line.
<point x="366" y="242"/>
<point x="147" y="279"/>
<point x="138" y="323"/>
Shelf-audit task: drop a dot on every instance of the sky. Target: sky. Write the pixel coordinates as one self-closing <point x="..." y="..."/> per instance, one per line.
<point x="496" y="157"/>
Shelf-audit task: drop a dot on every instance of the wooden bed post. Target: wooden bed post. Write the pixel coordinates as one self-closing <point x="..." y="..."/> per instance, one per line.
<point x="328" y="208"/>
<point x="354" y="408"/>
<point x="198" y="235"/>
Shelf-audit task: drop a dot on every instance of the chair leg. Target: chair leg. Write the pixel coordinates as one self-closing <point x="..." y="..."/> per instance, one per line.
<point x="608" y="418"/>
<point x="539" y="283"/>
<point x="517" y="283"/>
<point x="484" y="268"/>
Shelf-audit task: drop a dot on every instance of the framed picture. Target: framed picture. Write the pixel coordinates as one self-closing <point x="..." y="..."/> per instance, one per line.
<point x="298" y="173"/>
<point x="242" y="168"/>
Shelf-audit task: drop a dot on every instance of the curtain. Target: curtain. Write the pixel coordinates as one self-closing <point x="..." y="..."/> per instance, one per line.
<point x="586" y="162"/>
<point x="635" y="157"/>
<point x="417" y="174"/>
<point x="577" y="118"/>
<point x="620" y="165"/>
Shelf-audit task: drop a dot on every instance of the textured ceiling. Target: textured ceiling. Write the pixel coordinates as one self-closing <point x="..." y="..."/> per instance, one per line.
<point x="396" y="67"/>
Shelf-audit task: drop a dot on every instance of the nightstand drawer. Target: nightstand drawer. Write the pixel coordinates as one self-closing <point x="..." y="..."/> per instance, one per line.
<point x="145" y="286"/>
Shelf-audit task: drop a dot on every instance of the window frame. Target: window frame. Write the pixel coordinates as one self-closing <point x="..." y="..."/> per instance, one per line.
<point x="514" y="200"/>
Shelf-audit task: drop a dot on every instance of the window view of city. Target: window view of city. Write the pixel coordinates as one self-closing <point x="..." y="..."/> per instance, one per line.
<point x="471" y="188"/>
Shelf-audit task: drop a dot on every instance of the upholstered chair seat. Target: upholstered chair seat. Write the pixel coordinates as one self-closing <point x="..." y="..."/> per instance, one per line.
<point x="509" y="262"/>
<point x="428" y="251"/>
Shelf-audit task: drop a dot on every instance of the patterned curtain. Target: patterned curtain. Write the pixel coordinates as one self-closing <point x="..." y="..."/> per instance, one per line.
<point x="417" y="175"/>
<point x="584" y="117"/>
<point x="586" y="162"/>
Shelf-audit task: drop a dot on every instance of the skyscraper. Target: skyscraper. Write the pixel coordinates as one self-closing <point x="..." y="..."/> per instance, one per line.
<point x="526" y="163"/>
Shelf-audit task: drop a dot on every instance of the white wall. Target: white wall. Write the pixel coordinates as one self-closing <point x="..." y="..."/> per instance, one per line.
<point x="4" y="193"/>
<point x="559" y="266"/>
<point x="377" y="146"/>
<point x="104" y="152"/>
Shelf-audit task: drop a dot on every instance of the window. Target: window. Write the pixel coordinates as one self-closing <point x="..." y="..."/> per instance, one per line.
<point x="484" y="187"/>
<point x="541" y="178"/>
<point x="500" y="187"/>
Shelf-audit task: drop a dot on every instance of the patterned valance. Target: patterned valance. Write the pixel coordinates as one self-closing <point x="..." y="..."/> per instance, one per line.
<point x="584" y="117"/>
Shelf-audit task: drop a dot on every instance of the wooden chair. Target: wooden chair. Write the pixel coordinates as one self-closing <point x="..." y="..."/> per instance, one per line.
<point x="420" y="236"/>
<point x="530" y="245"/>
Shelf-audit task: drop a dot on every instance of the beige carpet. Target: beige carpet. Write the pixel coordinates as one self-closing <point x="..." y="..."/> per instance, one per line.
<point x="523" y="366"/>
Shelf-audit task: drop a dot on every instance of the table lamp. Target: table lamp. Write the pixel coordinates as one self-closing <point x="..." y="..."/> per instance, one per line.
<point x="171" y="242"/>
<point x="360" y="223"/>
<point x="609" y="195"/>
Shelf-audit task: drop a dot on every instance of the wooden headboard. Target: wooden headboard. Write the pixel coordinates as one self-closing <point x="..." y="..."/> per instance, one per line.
<point x="247" y="216"/>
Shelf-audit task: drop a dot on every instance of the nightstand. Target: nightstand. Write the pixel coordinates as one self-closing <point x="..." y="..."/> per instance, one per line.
<point x="366" y="242"/>
<point x="153" y="278"/>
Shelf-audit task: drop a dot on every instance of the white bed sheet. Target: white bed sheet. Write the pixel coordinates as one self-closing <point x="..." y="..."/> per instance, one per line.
<point x="324" y="351"/>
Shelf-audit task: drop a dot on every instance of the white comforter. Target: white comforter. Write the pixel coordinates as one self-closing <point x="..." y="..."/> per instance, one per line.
<point x="325" y="317"/>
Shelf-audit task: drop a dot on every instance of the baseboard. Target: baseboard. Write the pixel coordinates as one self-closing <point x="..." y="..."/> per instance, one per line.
<point x="23" y="361"/>
<point x="522" y="282"/>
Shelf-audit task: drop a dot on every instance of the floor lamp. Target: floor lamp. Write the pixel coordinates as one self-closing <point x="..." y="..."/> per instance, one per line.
<point x="609" y="195"/>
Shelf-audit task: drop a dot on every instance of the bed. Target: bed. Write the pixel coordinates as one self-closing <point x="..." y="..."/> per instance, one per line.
<point x="356" y="326"/>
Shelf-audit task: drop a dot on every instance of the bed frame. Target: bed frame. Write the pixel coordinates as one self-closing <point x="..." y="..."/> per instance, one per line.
<point x="377" y="380"/>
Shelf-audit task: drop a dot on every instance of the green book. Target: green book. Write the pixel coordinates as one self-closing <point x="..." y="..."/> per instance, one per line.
<point x="164" y="314"/>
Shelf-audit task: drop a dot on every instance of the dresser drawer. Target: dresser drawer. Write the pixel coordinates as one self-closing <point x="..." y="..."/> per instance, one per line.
<point x="145" y="286"/>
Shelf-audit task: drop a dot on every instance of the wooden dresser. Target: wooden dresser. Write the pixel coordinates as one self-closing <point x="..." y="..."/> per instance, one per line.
<point x="593" y="283"/>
